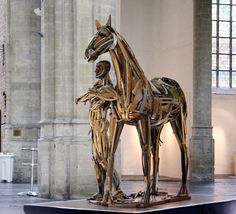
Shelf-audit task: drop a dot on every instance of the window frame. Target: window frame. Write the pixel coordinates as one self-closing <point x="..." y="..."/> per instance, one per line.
<point x="217" y="53"/>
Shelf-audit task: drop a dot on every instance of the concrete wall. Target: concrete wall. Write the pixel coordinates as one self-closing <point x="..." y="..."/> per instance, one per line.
<point x="161" y="36"/>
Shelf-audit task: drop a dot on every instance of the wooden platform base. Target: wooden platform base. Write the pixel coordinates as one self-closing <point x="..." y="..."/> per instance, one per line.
<point x="199" y="204"/>
<point x="137" y="202"/>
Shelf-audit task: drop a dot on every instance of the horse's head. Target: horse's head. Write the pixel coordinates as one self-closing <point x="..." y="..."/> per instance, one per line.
<point x="103" y="41"/>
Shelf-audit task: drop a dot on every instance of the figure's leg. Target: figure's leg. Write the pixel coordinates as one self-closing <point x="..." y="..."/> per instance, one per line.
<point x="98" y="140"/>
<point x="100" y="177"/>
<point x="104" y="156"/>
<point x="115" y="132"/>
<point x="155" y="135"/>
<point x="179" y="128"/>
<point x="144" y="131"/>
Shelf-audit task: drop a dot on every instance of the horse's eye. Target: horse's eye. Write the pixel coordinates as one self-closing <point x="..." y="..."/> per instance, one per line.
<point x="102" y="34"/>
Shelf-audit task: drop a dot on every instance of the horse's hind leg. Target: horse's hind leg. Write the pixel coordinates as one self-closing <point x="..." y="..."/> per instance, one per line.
<point x="155" y="136"/>
<point x="144" y="131"/>
<point x="179" y="128"/>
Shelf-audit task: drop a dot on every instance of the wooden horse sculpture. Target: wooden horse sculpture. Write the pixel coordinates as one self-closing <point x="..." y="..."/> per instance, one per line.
<point x="146" y="105"/>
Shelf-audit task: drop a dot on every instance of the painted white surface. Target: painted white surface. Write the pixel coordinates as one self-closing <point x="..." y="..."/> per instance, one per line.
<point x="137" y="30"/>
<point x="160" y="32"/>
<point x="224" y="123"/>
<point x="176" y="62"/>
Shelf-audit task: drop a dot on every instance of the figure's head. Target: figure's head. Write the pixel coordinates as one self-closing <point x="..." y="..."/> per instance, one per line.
<point x="102" y="69"/>
<point x="102" y="41"/>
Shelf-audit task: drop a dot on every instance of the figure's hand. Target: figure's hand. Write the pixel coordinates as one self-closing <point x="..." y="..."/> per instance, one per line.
<point x="77" y="100"/>
<point x="84" y="98"/>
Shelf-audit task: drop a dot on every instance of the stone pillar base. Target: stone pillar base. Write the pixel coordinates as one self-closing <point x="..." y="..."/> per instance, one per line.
<point x="65" y="168"/>
<point x="202" y="155"/>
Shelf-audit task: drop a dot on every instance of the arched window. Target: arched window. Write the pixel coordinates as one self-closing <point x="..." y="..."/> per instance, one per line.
<point x="224" y="44"/>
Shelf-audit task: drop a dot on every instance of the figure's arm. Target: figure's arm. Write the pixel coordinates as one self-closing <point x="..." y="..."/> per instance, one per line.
<point x="104" y="93"/>
<point x="83" y="98"/>
<point x="90" y="94"/>
<point x="107" y="93"/>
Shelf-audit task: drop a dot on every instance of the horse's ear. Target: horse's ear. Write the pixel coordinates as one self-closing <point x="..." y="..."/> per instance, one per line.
<point x="109" y="21"/>
<point x="97" y="23"/>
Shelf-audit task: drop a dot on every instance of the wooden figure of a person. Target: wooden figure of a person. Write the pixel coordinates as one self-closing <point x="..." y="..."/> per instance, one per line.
<point x="100" y="96"/>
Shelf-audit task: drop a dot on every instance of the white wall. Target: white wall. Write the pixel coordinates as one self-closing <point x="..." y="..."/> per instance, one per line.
<point x="224" y="123"/>
<point x="136" y="23"/>
<point x="176" y="61"/>
<point x="160" y="33"/>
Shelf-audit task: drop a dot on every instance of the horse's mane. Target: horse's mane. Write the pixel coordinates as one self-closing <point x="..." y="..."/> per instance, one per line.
<point x="127" y="48"/>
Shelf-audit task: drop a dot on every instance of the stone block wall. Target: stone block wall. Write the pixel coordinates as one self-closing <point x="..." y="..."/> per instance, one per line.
<point x="65" y="165"/>
<point x="3" y="38"/>
<point x="23" y="87"/>
<point x="202" y="143"/>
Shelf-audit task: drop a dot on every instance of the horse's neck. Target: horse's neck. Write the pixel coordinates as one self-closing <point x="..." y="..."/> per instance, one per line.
<point x="126" y="65"/>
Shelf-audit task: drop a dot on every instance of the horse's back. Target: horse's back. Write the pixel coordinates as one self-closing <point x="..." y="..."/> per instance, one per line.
<point x="164" y="87"/>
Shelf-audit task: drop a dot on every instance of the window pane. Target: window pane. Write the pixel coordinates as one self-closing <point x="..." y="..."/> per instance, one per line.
<point x="234" y="13"/>
<point x="213" y="28"/>
<point x="214" y="61"/>
<point x="213" y="45"/>
<point x="223" y="62"/>
<point x="224" y="29"/>
<point x="234" y="62"/>
<point x="234" y="46"/>
<point x="233" y="2"/>
<point x="233" y="29"/>
<point x="224" y="12"/>
<point x="214" y="78"/>
<point x="224" y="45"/>
<point x="224" y="1"/>
<point x="223" y="79"/>
<point x="214" y="11"/>
<point x="214" y="1"/>
<point x="234" y="79"/>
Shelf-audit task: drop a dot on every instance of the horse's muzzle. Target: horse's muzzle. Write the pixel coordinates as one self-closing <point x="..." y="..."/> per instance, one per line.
<point x="90" y="55"/>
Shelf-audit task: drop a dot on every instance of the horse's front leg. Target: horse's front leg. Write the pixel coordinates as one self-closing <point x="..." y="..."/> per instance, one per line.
<point x="115" y="132"/>
<point x="144" y="131"/>
<point x="155" y="136"/>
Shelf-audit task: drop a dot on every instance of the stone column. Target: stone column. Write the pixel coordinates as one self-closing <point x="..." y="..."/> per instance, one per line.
<point x="46" y="140"/>
<point x="65" y="165"/>
<point x="22" y="83"/>
<point x="57" y="99"/>
<point x="202" y="143"/>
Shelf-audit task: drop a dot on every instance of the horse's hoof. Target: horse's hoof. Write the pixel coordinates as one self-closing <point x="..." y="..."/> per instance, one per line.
<point x="183" y="190"/>
<point x="107" y="198"/>
<point x="96" y="197"/>
<point x="154" y="191"/>
<point x="119" y="194"/>
<point x="146" y="197"/>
